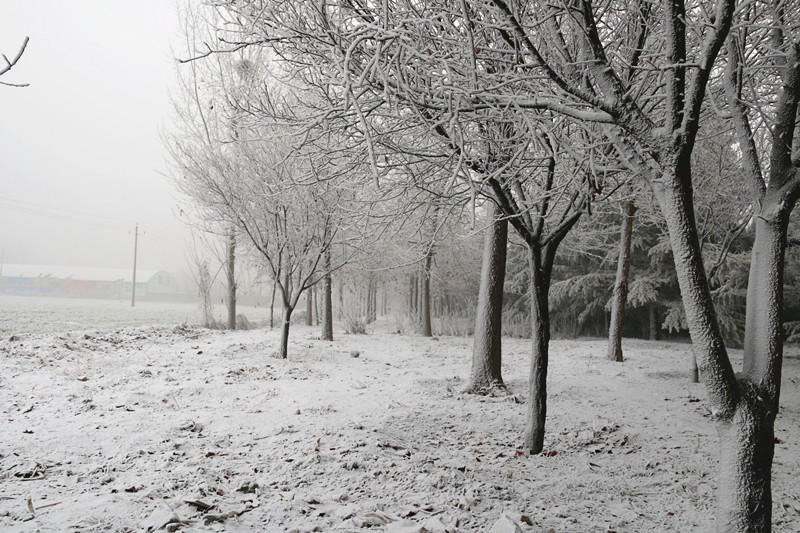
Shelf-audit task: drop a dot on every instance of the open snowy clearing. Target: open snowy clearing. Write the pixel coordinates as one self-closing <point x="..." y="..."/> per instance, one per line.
<point x="185" y="429"/>
<point x="50" y="314"/>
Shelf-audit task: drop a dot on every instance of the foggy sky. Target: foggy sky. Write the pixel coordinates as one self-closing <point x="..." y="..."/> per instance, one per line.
<point x="84" y="137"/>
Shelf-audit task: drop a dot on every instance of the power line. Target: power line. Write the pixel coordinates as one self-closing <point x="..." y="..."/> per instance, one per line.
<point x="82" y="213"/>
<point x="58" y="216"/>
<point x="67" y="215"/>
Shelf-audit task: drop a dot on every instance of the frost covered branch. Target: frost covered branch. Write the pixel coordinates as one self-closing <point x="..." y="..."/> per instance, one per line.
<point x="10" y="63"/>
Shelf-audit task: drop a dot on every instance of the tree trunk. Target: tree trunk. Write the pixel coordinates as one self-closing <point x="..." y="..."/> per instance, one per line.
<point x="374" y="296"/>
<point x="486" y="371"/>
<point x="747" y="445"/>
<point x="620" y="296"/>
<point x="653" y="322"/>
<point x="425" y="297"/>
<point x="204" y="286"/>
<point x="763" y="336"/>
<point x="272" y="305"/>
<point x="371" y="300"/>
<point x="310" y="306"/>
<point x="694" y="371"/>
<point x="327" y="307"/>
<point x="412" y="296"/>
<point x="287" y="317"/>
<point x="316" y="308"/>
<point x="708" y="345"/>
<point x="231" y="281"/>
<point x="341" y="300"/>
<point x="540" y="336"/>
<point x="745" y="407"/>
<point x="747" y="438"/>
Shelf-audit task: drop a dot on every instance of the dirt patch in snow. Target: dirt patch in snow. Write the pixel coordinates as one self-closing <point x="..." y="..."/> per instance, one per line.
<point x="185" y="429"/>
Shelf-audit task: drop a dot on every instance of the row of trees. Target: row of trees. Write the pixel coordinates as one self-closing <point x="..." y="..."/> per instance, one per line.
<point x="346" y="120"/>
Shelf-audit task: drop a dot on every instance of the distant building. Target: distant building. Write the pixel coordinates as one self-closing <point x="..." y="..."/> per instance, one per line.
<point x="87" y="282"/>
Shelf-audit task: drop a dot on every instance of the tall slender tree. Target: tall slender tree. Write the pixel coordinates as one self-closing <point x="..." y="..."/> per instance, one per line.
<point x="620" y="294"/>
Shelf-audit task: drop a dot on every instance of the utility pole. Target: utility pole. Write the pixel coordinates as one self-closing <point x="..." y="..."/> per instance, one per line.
<point x="135" y="246"/>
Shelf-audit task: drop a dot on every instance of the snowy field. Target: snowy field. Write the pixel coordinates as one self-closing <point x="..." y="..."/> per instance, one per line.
<point x="31" y="314"/>
<point x="183" y="429"/>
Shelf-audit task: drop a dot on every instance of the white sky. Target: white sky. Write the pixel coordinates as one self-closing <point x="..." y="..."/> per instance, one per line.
<point x="84" y="137"/>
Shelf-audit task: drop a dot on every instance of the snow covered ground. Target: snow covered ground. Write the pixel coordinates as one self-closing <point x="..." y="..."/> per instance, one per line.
<point x="42" y="314"/>
<point x="177" y="428"/>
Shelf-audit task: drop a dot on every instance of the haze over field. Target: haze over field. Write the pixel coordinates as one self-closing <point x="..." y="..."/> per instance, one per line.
<point x="81" y="158"/>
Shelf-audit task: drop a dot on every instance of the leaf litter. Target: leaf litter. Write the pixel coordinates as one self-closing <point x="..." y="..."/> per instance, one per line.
<point x="186" y="429"/>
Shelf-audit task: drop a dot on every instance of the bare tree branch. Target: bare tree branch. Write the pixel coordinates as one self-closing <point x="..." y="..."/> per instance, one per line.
<point x="12" y="62"/>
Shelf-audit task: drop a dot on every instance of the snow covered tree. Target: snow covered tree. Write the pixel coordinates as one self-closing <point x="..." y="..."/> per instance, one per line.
<point x="291" y="227"/>
<point x="245" y="172"/>
<point x="634" y="74"/>
<point x="653" y="124"/>
<point x="393" y="81"/>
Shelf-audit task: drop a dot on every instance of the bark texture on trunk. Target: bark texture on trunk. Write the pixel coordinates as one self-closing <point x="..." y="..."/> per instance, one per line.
<point x="653" y="322"/>
<point x="708" y="345"/>
<point x="763" y="338"/>
<point x="341" y="300"/>
<point x="316" y="308"/>
<point x="486" y="371"/>
<point x="231" y="282"/>
<point x="747" y="445"/>
<point x="694" y="372"/>
<point x="425" y="297"/>
<point x="372" y="300"/>
<point x="620" y="297"/>
<point x="745" y="407"/>
<point x="413" y="289"/>
<point x="747" y="438"/>
<point x="272" y="305"/>
<point x="310" y="306"/>
<point x="287" y="318"/>
<point x="540" y="336"/>
<point x="327" y="304"/>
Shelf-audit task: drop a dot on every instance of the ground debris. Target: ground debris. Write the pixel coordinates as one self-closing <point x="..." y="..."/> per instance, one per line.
<point x="395" y="454"/>
<point x="211" y="518"/>
<point x="505" y="525"/>
<point x="159" y="519"/>
<point x="199" y="505"/>
<point x="429" y="525"/>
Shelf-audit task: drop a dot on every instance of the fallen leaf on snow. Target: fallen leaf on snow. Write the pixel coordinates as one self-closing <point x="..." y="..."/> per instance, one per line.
<point x="199" y="505"/>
